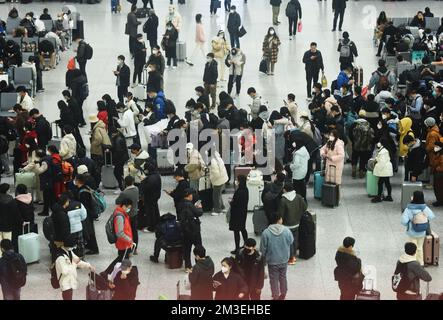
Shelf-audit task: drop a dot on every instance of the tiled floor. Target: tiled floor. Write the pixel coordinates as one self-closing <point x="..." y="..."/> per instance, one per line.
<point x="376" y="227"/>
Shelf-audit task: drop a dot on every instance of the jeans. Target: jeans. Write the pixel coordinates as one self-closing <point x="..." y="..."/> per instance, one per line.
<point x="311" y="79"/>
<point x="11" y="293"/>
<point x="122" y="91"/>
<point x="293" y="22"/>
<point x="277" y="279"/>
<point x="235" y="40"/>
<point x="237" y="83"/>
<point x="217" y="198"/>
<point x="337" y="13"/>
<point x="294" y="247"/>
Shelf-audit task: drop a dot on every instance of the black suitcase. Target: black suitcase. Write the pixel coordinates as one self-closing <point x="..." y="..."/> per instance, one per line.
<point x="259" y="220"/>
<point x="79" y="31"/>
<point x="307" y="236"/>
<point x="329" y="191"/>
<point x="205" y="197"/>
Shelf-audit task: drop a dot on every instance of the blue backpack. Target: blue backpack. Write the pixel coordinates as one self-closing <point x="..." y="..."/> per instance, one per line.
<point x="171" y="231"/>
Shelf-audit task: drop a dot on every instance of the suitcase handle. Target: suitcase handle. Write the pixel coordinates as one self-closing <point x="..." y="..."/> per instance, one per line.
<point x="335" y="173"/>
<point x="29" y="227"/>
<point x="56" y="135"/>
<point x="110" y="158"/>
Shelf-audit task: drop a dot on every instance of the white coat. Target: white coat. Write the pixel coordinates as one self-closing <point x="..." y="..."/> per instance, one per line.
<point x="217" y="171"/>
<point x="299" y="165"/>
<point x="383" y="166"/>
<point x="68" y="147"/>
<point x="27" y="103"/>
<point x="127" y="123"/>
<point x="67" y="270"/>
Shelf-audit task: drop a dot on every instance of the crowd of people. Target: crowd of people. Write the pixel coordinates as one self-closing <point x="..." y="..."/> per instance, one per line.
<point x="374" y="132"/>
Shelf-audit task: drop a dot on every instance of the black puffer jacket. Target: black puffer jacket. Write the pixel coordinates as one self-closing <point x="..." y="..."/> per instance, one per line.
<point x="188" y="215"/>
<point x="8" y="217"/>
<point x="62" y="227"/>
<point x="348" y="270"/>
<point x="119" y="149"/>
<point x="201" y="279"/>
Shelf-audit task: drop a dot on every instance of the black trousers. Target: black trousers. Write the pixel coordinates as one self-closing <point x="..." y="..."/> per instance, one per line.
<point x="48" y="200"/>
<point x="361" y="158"/>
<point x="138" y="69"/>
<point x="152" y="42"/>
<point x="227" y="5"/>
<point x="134" y="225"/>
<point x="145" y="4"/>
<point x="91" y="241"/>
<point x="293" y="22"/>
<point x="212" y="7"/>
<point x="237" y="83"/>
<point x="132" y="43"/>
<point x="152" y="214"/>
<point x="338" y="13"/>
<point x="300" y="187"/>
<point x="244" y="234"/>
<point x="122" y="254"/>
<point x="311" y="79"/>
<point x="118" y="173"/>
<point x="159" y="244"/>
<point x="122" y="91"/>
<point x="195" y="240"/>
<point x="386" y="181"/>
<point x="99" y="161"/>
<point x="253" y="295"/>
<point x="82" y="66"/>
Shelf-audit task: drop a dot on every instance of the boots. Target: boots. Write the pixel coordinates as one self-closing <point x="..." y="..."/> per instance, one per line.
<point x="354" y="172"/>
<point x="376" y="199"/>
<point x="361" y="174"/>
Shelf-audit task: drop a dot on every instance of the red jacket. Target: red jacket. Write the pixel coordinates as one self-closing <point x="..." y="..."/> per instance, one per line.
<point x="58" y="186"/>
<point x="123" y="241"/>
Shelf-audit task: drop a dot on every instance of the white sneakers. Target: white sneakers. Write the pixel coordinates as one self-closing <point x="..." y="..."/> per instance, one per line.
<point x="215" y="214"/>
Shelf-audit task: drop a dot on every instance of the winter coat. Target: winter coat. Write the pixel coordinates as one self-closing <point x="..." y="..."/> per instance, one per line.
<point x="348" y="270"/>
<point x="211" y="73"/>
<point x="404" y="129"/>
<point x="291" y="208"/>
<point x="62" y="227"/>
<point x="313" y="66"/>
<point x="176" y="20"/>
<point x="119" y="150"/>
<point x="280" y="127"/>
<point x="201" y="279"/>
<point x="127" y="123"/>
<point x="76" y="214"/>
<point x="275" y="3"/>
<point x="136" y="167"/>
<point x="170" y="44"/>
<point x="432" y="137"/>
<point x="99" y="138"/>
<point x="66" y="269"/>
<point x="415" y="162"/>
<point x="217" y="171"/>
<point x="68" y="147"/>
<point x="408" y="215"/>
<point x="299" y="165"/>
<point x="150" y="27"/>
<point x="179" y="192"/>
<point x="270" y="47"/>
<point x="123" y="78"/>
<point x="126" y="289"/>
<point x="237" y="63"/>
<point x="150" y="187"/>
<point x="25" y="207"/>
<point x="383" y="165"/>
<point x="375" y="78"/>
<point x="415" y="272"/>
<point x="159" y="61"/>
<point x="130" y="192"/>
<point x="220" y="47"/>
<point x="239" y="209"/>
<point x="195" y="166"/>
<point x="200" y="33"/>
<point x="275" y="243"/>
<point x="438" y="163"/>
<point x="8" y="217"/>
<point x="252" y="268"/>
<point x="43" y="130"/>
<point x="337" y="157"/>
<point x="188" y="215"/>
<point x="234" y="23"/>
<point x="293" y="9"/>
<point x="230" y="287"/>
<point x="132" y="25"/>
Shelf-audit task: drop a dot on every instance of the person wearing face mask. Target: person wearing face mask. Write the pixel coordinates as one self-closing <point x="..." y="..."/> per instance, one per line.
<point x="220" y="48"/>
<point x="139" y="59"/>
<point x="228" y="283"/>
<point x="233" y="25"/>
<point x="202" y="96"/>
<point x="169" y="44"/>
<point x="131" y="28"/>
<point x="210" y="78"/>
<point x="158" y="59"/>
<point x="236" y="62"/>
<point x="239" y="212"/>
<point x="383" y="169"/>
<point x="200" y="39"/>
<point x="127" y="124"/>
<point x="333" y="152"/>
<point x="155" y="79"/>
<point x="151" y="29"/>
<point x="28" y="24"/>
<point x="313" y="61"/>
<point x="275" y="11"/>
<point x="437" y="166"/>
<point x="99" y="143"/>
<point x="123" y="76"/>
<point x="270" y="46"/>
<point x="201" y="275"/>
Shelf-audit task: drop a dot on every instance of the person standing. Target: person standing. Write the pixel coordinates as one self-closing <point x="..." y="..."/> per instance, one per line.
<point x="299" y="168"/>
<point x="131" y="28"/>
<point x="383" y="169"/>
<point x="227" y="4"/>
<point x="13" y="270"/>
<point x="334" y="153"/>
<point x="123" y="77"/>
<point x="42" y="128"/>
<point x="348" y="271"/>
<point x="239" y="212"/>
<point x="75" y="107"/>
<point x="411" y="272"/>
<point x="218" y="176"/>
<point x="127" y="123"/>
<point x="348" y="50"/>
<point x="151" y="29"/>
<point x="234" y="23"/>
<point x="293" y="12"/>
<point x="7" y="218"/>
<point x="175" y="18"/>
<point x="201" y="275"/>
<point x="438" y="174"/>
<point x="81" y="55"/>
<point x="338" y="7"/>
<point x="313" y="61"/>
<point x="139" y="59"/>
<point x="275" y="245"/>
<point x="270" y="49"/>
<point x="169" y="44"/>
<point x="214" y="6"/>
<point x="275" y="11"/>
<point x="119" y="155"/>
<point x="220" y="48"/>
<point x="228" y="283"/>
<point x="236" y="60"/>
<point x="252" y="267"/>
<point x="100" y="142"/>
<point x="210" y="78"/>
<point x="417" y="210"/>
<point x="150" y="191"/>
<point x="200" y="38"/>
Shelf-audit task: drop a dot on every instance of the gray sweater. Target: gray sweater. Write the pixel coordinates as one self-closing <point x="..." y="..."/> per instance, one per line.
<point x="132" y="193"/>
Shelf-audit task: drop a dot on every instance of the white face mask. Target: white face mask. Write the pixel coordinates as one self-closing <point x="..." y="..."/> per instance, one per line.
<point x="140" y="40"/>
<point x="384" y="116"/>
<point x="27" y="146"/>
<point x="224" y="269"/>
<point x="379" y="126"/>
<point x="48" y="153"/>
<point x="125" y="272"/>
<point x="149" y="69"/>
<point x="169" y="28"/>
<point x="331" y="138"/>
<point x="379" y="145"/>
<point x="271" y="32"/>
<point x="209" y="59"/>
<point x="437" y="148"/>
<point x="120" y="61"/>
<point x="154" y="51"/>
<point x="232" y="10"/>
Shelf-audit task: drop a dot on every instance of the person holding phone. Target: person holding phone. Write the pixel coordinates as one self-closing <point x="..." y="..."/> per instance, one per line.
<point x="228" y="283"/>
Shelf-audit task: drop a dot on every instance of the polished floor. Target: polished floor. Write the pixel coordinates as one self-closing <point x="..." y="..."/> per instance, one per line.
<point x="380" y="237"/>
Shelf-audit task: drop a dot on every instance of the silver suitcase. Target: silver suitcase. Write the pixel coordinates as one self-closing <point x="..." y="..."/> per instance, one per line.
<point x="29" y="246"/>
<point x="407" y="190"/>
<point x="56" y="136"/>
<point x="165" y="161"/>
<point x="107" y="173"/>
<point x="425" y="175"/>
<point x="181" y="50"/>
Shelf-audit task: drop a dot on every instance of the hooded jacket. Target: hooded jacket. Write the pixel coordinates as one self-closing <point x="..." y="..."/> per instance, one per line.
<point x="415" y="161"/>
<point x="348" y="270"/>
<point x="291" y="208"/>
<point x="415" y="272"/>
<point x="76" y="213"/>
<point x="275" y="244"/>
<point x="220" y="47"/>
<point x="408" y="215"/>
<point x="201" y="279"/>
<point x="66" y="268"/>
<point x="25" y="207"/>
<point x="431" y="138"/>
<point x="99" y="138"/>
<point x="68" y="147"/>
<point x="299" y="165"/>
<point x="383" y="166"/>
<point x="217" y="171"/>
<point x="127" y="123"/>
<point x="195" y="166"/>
<point x="404" y="129"/>
<point x="252" y="268"/>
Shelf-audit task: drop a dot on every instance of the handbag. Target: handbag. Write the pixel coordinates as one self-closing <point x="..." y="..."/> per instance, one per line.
<point x="241" y="32"/>
<point x="299" y="26"/>
<point x="226" y="61"/>
<point x="263" y="65"/>
<point x="324" y="81"/>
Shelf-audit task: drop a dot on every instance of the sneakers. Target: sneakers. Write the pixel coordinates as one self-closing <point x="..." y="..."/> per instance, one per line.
<point x="234" y="251"/>
<point x="153" y="259"/>
<point x="189" y="62"/>
<point x="292" y="261"/>
<point x="376" y="199"/>
<point x="215" y="214"/>
<point x="388" y="198"/>
<point x="174" y="67"/>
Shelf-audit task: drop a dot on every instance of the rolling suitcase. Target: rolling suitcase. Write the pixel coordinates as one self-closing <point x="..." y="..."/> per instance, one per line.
<point x="307" y="236"/>
<point x="329" y="191"/>
<point x="78" y="32"/>
<point x="107" y="173"/>
<point x="165" y="161"/>
<point x="368" y="294"/>
<point x="97" y="288"/>
<point x="29" y="246"/>
<point x="181" y="50"/>
<point x="56" y="137"/>
<point x="318" y="183"/>
<point x="259" y="220"/>
<point x="255" y="186"/>
<point x="182" y="292"/>
<point x="407" y="190"/>
<point x="26" y="178"/>
<point x="174" y="257"/>
<point x="357" y="75"/>
<point x="431" y="249"/>
<point x="371" y="184"/>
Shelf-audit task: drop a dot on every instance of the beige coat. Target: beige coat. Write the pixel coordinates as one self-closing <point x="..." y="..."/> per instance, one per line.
<point x="67" y="270"/>
<point x="99" y="137"/>
<point x="68" y="147"/>
<point x="196" y="165"/>
<point x="220" y="47"/>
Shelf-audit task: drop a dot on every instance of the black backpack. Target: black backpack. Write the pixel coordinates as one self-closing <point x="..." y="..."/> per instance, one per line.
<point x="48" y="228"/>
<point x="88" y="51"/>
<point x="400" y="281"/>
<point x="17" y="271"/>
<point x="84" y="91"/>
<point x="4" y="145"/>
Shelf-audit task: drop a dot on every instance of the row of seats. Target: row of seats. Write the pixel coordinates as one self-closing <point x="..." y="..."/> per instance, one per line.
<point x="7" y="101"/>
<point x="432" y="23"/>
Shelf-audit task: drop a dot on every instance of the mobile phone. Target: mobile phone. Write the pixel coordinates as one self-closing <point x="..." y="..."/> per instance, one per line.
<point x="198" y="203"/>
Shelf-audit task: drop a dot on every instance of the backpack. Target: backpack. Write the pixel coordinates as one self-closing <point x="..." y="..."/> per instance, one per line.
<point x="362" y="137"/>
<point x="291" y="10"/>
<point x="48" y="228"/>
<point x="317" y="136"/>
<point x="345" y="49"/>
<point x="171" y="231"/>
<point x="4" y="145"/>
<point x="350" y="119"/>
<point x="110" y="230"/>
<point x="17" y="272"/>
<point x="383" y="80"/>
<point x="399" y="281"/>
<point x="420" y="222"/>
<point x="67" y="171"/>
<point x="88" y="51"/>
<point x="84" y="91"/>
<point x="98" y="201"/>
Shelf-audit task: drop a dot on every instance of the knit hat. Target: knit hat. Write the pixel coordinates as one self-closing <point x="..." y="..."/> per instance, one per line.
<point x="82" y="169"/>
<point x="429" y="122"/>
